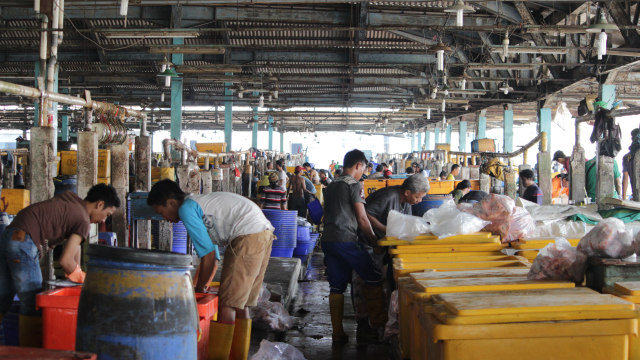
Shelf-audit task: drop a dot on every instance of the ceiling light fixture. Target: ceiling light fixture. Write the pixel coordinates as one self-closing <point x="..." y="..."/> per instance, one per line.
<point x="429" y="113"/>
<point x="444" y="105"/>
<point x="602" y="27"/>
<point x="460" y="8"/>
<point x="505" y="88"/>
<point x="153" y="34"/>
<point x="162" y="97"/>
<point x="434" y="92"/>
<point x="124" y="6"/>
<point x="440" y="49"/>
<point x="261" y="101"/>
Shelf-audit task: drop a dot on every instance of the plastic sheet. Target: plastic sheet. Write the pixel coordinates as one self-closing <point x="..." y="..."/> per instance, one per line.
<point x="558" y="228"/>
<point x="559" y="261"/>
<point x="447" y="220"/>
<point x="405" y="227"/>
<point x="277" y="351"/>
<point x="392" y="327"/>
<point x="497" y="209"/>
<point x="609" y="239"/>
<point x="520" y="226"/>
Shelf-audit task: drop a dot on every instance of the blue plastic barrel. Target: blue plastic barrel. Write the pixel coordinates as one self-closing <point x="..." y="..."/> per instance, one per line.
<point x="137" y="304"/>
<point x="428" y="202"/>
<point x="179" y="244"/>
<point x="315" y="211"/>
<point x="66" y="183"/>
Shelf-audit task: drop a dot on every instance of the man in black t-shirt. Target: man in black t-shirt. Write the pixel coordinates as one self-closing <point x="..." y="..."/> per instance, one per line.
<point x="344" y="215"/>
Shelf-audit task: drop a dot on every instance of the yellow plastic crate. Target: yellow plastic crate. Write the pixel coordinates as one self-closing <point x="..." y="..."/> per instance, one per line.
<point x="419" y="258"/>
<point x="158" y="173"/>
<point x="104" y="163"/>
<point x="371" y="186"/>
<point x="538" y="244"/>
<point x="68" y="162"/>
<point x="14" y="200"/>
<point x="441" y="187"/>
<point x="395" y="182"/>
<point x="447" y="248"/>
<point x="400" y="269"/>
<point x="446" y="147"/>
<point x="442" y="286"/>
<point x="475" y="184"/>
<point x="214" y="148"/>
<point x="104" y="180"/>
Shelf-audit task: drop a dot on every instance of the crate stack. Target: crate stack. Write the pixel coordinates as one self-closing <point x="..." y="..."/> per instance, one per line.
<point x="461" y="298"/>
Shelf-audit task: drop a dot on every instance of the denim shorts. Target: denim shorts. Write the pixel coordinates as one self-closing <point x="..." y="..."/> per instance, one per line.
<point x="19" y="273"/>
<point x="342" y="258"/>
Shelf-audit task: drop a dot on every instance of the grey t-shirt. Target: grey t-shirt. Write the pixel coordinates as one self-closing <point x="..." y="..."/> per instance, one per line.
<point x="380" y="202"/>
<point x="340" y="223"/>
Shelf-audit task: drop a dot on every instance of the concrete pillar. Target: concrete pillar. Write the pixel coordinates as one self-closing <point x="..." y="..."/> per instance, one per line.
<point x="482" y="127"/>
<point x="544" y="125"/>
<point x="41" y="158"/>
<point x="462" y="146"/>
<point x="436" y="135"/>
<point x="254" y="131"/>
<point x="608" y="94"/>
<point x="270" y="121"/>
<point x="176" y="95"/>
<point x="143" y="183"/>
<point x="577" y="175"/>
<point x="485" y="183"/>
<point x="510" y="184"/>
<point x="427" y="139"/>
<point x="464" y="173"/>
<point x="87" y="161"/>
<point x="448" y="134"/>
<point x="635" y="191"/>
<point x="36" y="102"/>
<point x="508" y="131"/>
<point x="604" y="180"/>
<point x="474" y="173"/>
<point x="544" y="176"/>
<point x="120" y="182"/>
<point x="189" y="179"/>
<point x="165" y="234"/>
<point x="228" y="113"/>
<point x="207" y="183"/>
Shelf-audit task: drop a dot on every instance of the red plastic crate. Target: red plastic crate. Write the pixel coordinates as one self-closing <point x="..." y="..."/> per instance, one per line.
<point x="59" y="317"/>
<point x="15" y="352"/>
<point x="207" y="311"/>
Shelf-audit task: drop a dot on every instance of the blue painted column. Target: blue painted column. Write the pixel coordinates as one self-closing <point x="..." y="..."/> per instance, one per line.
<point x="419" y="141"/>
<point x="436" y="136"/>
<point x="281" y="140"/>
<point x="448" y="134"/>
<point x="254" y="130"/>
<point x="176" y="95"/>
<point x="608" y="94"/>
<point x="482" y="127"/>
<point x="462" y="146"/>
<point x="270" y="121"/>
<point x="228" y="113"/>
<point x="64" y="121"/>
<point x="413" y="142"/>
<point x="544" y="125"/>
<point x="508" y="131"/>
<point x="427" y="139"/>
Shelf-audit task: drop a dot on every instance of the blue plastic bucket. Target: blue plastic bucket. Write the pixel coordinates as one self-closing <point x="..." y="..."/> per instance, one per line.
<point x="282" y="252"/>
<point x="315" y="211"/>
<point x="285" y="223"/>
<point x="137" y="304"/>
<point x="179" y="244"/>
<point x="429" y="202"/>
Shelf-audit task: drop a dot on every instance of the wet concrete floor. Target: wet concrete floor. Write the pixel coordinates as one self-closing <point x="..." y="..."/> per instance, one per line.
<point x="311" y="333"/>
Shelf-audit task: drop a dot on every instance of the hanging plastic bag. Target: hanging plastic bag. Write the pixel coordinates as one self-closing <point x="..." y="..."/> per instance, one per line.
<point x="609" y="239"/>
<point x="392" y="327"/>
<point x="520" y="226"/>
<point x="405" y="227"/>
<point x="447" y="220"/>
<point x="277" y="351"/>
<point x="559" y="261"/>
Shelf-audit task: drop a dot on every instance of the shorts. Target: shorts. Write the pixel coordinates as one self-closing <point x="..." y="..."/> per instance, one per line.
<point x="342" y="258"/>
<point x="19" y="271"/>
<point x="245" y="261"/>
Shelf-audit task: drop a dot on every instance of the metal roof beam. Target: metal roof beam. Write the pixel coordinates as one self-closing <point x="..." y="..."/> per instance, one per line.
<point x="501" y="9"/>
<point x="622" y="18"/>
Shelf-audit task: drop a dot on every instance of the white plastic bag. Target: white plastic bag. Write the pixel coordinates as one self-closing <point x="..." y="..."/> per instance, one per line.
<point x="277" y="351"/>
<point x="405" y="227"/>
<point x="521" y="225"/>
<point x="609" y="239"/>
<point x="392" y="326"/>
<point x="559" y="261"/>
<point x="272" y="313"/>
<point x="558" y="228"/>
<point x="447" y="220"/>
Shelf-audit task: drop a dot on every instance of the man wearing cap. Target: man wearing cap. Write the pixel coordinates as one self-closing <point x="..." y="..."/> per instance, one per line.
<point x="562" y="159"/>
<point x="297" y="190"/>
<point x="274" y="195"/>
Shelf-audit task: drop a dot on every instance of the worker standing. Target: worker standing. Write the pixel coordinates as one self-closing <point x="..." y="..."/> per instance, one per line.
<point x="532" y="192"/>
<point x="298" y="188"/>
<point x="228" y="219"/>
<point x="455" y="170"/>
<point x="344" y="215"/>
<point x="36" y="229"/>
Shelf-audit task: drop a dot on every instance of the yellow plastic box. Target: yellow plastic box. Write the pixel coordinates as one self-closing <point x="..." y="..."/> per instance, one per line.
<point x="68" y="162"/>
<point x="158" y="173"/>
<point x="215" y="148"/>
<point x="371" y="186"/>
<point x="104" y="180"/>
<point x="441" y="187"/>
<point x="395" y="182"/>
<point x="14" y="200"/>
<point x="104" y="163"/>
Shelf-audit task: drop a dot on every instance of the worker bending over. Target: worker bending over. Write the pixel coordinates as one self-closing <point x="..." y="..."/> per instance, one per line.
<point x="344" y="215"/>
<point x="228" y="219"/>
<point x="36" y="229"/>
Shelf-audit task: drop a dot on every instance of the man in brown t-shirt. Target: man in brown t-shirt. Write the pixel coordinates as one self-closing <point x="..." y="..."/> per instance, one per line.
<point x="32" y="232"/>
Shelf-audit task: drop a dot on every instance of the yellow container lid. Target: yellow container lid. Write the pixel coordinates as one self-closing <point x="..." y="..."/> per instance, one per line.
<point x="549" y="301"/>
<point x="475" y="238"/>
<point x="414" y="258"/>
<point x="449" y="254"/>
<point x="633" y="298"/>
<point x="446" y="248"/>
<point x="443" y="286"/>
<point x="407" y="268"/>
<point x="538" y="243"/>
<point x="522" y="273"/>
<point x="627" y="287"/>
